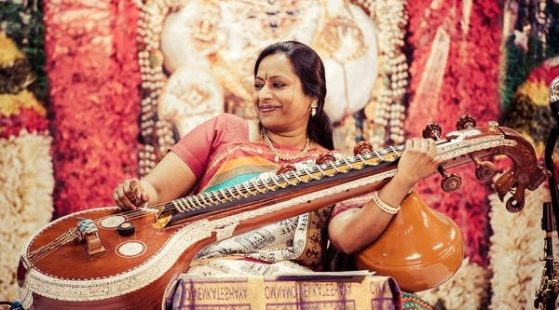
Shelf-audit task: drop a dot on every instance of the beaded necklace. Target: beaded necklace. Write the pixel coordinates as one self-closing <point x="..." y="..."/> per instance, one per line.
<point x="279" y="156"/>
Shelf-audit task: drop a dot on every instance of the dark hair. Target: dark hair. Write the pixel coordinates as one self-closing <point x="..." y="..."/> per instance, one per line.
<point x="309" y="68"/>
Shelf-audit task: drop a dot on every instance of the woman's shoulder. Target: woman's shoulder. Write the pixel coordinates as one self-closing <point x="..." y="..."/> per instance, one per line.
<point x="229" y="118"/>
<point x="231" y="127"/>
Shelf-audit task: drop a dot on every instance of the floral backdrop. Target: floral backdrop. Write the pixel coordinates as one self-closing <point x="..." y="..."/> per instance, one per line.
<point x="64" y="147"/>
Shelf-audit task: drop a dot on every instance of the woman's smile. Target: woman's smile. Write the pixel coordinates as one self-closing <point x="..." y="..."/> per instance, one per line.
<point x="268" y="108"/>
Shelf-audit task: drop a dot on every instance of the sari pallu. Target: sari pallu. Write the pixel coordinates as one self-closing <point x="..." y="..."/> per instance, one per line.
<point x="220" y="155"/>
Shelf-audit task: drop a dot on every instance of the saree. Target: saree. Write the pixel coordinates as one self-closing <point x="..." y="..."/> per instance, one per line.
<point x="220" y="155"/>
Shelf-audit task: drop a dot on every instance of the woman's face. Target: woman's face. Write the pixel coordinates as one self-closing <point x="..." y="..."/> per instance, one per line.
<point x="280" y="102"/>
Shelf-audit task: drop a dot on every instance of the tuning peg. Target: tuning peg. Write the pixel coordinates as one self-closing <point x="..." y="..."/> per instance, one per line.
<point x="485" y="170"/>
<point x="466" y="122"/>
<point x="432" y="131"/>
<point x="362" y="148"/>
<point x="450" y="181"/>
<point x="325" y="158"/>
<point x="285" y="168"/>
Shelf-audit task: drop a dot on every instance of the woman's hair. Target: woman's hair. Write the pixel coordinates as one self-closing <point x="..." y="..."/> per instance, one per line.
<point x="309" y="68"/>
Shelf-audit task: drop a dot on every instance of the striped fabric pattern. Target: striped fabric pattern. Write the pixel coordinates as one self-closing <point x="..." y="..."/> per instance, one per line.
<point x="237" y="169"/>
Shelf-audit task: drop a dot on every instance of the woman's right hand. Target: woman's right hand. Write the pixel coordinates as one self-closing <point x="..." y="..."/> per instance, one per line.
<point x="130" y="195"/>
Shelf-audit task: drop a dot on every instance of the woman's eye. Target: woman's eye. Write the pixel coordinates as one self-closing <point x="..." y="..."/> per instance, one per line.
<point x="258" y="85"/>
<point x="278" y="84"/>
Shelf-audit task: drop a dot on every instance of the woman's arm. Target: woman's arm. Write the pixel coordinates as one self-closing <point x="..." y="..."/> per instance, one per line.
<point x="355" y="228"/>
<point x="170" y="179"/>
<point x="179" y="171"/>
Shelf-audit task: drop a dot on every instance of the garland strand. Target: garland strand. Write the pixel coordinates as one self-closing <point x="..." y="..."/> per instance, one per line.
<point x="94" y="80"/>
<point x="26" y="170"/>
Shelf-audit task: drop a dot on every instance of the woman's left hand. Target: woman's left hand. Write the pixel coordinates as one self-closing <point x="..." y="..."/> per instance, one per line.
<point x="418" y="161"/>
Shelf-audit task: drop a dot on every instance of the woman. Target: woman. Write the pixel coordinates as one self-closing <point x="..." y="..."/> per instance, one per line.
<point x="290" y="88"/>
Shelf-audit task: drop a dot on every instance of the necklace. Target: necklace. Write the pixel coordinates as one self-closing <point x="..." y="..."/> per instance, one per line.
<point x="279" y="156"/>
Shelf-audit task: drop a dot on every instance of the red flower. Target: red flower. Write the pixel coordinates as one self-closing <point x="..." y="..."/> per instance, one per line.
<point x="93" y="78"/>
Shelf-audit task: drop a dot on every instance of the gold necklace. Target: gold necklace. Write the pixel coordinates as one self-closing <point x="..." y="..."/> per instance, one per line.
<point x="277" y="154"/>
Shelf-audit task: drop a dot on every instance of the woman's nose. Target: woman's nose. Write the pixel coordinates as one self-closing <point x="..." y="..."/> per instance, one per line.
<point x="264" y="93"/>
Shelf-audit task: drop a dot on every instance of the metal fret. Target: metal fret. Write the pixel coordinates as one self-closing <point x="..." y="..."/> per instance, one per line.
<point x="333" y="166"/>
<point x="231" y="193"/>
<point x="191" y="203"/>
<point x="321" y="171"/>
<point x="224" y="194"/>
<point x="379" y="156"/>
<point x="182" y="202"/>
<point x="177" y="207"/>
<point x="246" y="188"/>
<point x="394" y="150"/>
<point x="347" y="162"/>
<point x="296" y="176"/>
<point x="286" y="179"/>
<point x="204" y="196"/>
<point x="239" y="191"/>
<point x="309" y="173"/>
<point x="276" y="181"/>
<point x="199" y="203"/>
<point x="362" y="159"/>
<point x="268" y="187"/>
<point x="256" y="186"/>
<point x="216" y="196"/>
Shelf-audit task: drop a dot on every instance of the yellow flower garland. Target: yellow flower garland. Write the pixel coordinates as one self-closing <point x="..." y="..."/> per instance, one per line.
<point x="8" y="51"/>
<point x="12" y="104"/>
<point x="537" y="91"/>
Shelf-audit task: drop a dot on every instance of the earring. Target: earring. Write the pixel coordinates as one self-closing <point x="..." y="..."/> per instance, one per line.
<point x="313" y="108"/>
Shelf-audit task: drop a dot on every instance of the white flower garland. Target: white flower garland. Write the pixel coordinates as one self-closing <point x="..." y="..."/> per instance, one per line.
<point x="516" y="249"/>
<point x="465" y="290"/>
<point x="389" y="110"/>
<point x="26" y="186"/>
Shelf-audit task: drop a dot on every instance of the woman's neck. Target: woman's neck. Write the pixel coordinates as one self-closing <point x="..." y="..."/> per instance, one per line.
<point x="295" y="138"/>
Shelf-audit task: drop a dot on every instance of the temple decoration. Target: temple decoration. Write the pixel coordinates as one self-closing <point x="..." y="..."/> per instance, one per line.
<point x="196" y="60"/>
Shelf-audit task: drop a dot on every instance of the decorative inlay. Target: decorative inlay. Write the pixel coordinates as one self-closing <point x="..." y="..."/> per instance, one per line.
<point x="131" y="248"/>
<point x="112" y="221"/>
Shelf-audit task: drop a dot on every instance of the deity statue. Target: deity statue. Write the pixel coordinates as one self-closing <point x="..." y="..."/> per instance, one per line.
<point x="209" y="48"/>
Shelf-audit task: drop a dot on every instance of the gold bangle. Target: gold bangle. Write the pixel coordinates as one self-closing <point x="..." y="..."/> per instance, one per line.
<point x="383" y="205"/>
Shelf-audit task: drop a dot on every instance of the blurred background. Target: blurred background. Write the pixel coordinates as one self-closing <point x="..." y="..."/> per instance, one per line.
<point x="95" y="91"/>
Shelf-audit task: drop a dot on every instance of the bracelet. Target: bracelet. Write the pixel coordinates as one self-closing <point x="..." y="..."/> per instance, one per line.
<point x="383" y="205"/>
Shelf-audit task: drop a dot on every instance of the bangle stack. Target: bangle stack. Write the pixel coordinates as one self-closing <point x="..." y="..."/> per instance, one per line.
<point x="383" y="205"/>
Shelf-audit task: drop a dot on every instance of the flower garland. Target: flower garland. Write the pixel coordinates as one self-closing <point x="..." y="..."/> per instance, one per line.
<point x="94" y="78"/>
<point x="468" y="76"/>
<point x="26" y="186"/>
<point x="531" y="62"/>
<point x="23" y="22"/>
<point x="518" y="244"/>
<point x="529" y="110"/>
<point x="26" y="170"/>
<point x="392" y="19"/>
<point x="467" y="289"/>
<point x="469" y="86"/>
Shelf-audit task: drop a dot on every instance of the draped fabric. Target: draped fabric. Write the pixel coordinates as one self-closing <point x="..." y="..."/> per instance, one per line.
<point x="220" y="155"/>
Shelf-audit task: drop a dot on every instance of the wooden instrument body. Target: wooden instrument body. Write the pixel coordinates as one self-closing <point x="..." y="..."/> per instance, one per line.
<point x="68" y="278"/>
<point x="421" y="247"/>
<point x="71" y="279"/>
